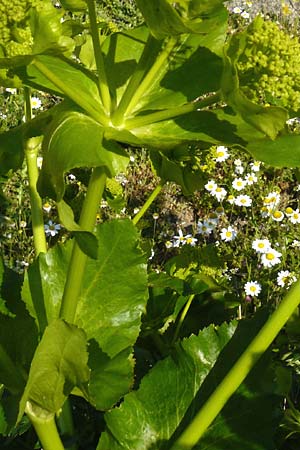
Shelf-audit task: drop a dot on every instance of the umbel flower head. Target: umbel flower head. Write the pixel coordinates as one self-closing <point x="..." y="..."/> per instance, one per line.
<point x="269" y="65"/>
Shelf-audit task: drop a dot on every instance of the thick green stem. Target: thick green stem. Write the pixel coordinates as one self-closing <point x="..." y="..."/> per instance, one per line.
<point x="151" y="47"/>
<point x="166" y="114"/>
<point x="65" y="422"/>
<point x="45" y="428"/>
<point x="151" y="76"/>
<point x="239" y="371"/>
<point x="31" y="151"/>
<point x="103" y="83"/>
<point x="147" y="204"/>
<point x="81" y="100"/>
<point x="182" y="316"/>
<point x="78" y="258"/>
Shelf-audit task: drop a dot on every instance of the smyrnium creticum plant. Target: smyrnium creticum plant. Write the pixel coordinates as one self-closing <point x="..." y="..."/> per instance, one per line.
<point x="76" y="322"/>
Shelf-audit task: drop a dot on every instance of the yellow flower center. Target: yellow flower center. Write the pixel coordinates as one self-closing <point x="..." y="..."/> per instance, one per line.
<point x="270" y="256"/>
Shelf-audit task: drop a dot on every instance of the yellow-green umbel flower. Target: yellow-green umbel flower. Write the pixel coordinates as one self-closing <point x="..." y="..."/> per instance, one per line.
<point x="15" y="33"/>
<point x="269" y="65"/>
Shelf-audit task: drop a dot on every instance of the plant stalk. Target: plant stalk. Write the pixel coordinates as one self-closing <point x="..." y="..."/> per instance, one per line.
<point x="147" y="203"/>
<point x="72" y="93"/>
<point x="78" y="258"/>
<point x="151" y="76"/>
<point x="45" y="429"/>
<point x="31" y="151"/>
<point x="191" y="435"/>
<point x="150" y="48"/>
<point x="103" y="83"/>
<point x="182" y="317"/>
<point x="166" y="114"/>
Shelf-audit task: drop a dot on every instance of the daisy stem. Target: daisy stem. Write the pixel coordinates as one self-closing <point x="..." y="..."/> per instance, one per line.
<point x="147" y="203"/>
<point x="103" y="83"/>
<point x="78" y="258"/>
<point x="182" y="317"/>
<point x="32" y="147"/>
<point x="195" y="430"/>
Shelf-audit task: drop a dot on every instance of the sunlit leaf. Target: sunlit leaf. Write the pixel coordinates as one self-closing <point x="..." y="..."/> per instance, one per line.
<point x="282" y="152"/>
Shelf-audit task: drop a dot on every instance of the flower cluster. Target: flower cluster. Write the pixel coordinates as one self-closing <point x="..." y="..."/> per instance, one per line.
<point x="269" y="66"/>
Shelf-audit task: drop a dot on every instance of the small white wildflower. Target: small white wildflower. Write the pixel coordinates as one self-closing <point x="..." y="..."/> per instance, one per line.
<point x="285" y="277"/>
<point x="239" y="170"/>
<point x="35" y="103"/>
<point x="250" y="178"/>
<point x="272" y="199"/>
<point x="270" y="258"/>
<point x="211" y="185"/>
<point x="11" y="90"/>
<point x="168" y="244"/>
<point x="231" y="199"/>
<point x="252" y="288"/>
<point x="296" y="243"/>
<point x="47" y="207"/>
<point x="255" y="166"/>
<point x="204" y="228"/>
<point x="261" y="245"/>
<point x="295" y="217"/>
<point x="238" y="184"/>
<point x="278" y="216"/>
<point x="237" y="10"/>
<point x="220" y="193"/>
<point x="245" y="15"/>
<point x="289" y="211"/>
<point x="51" y="228"/>
<point x="228" y="234"/>
<point x="190" y="240"/>
<point x="179" y="239"/>
<point x="221" y="153"/>
<point x="243" y="200"/>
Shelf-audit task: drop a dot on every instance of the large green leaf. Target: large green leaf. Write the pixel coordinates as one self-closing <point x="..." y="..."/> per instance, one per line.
<point x="59" y="364"/>
<point x="169" y="397"/>
<point x="111" y="378"/>
<point x="76" y="140"/>
<point x="283" y="152"/>
<point x="210" y="127"/>
<point x="114" y="289"/>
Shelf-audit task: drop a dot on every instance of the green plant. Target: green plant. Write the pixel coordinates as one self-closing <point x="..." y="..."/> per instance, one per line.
<point x="85" y="299"/>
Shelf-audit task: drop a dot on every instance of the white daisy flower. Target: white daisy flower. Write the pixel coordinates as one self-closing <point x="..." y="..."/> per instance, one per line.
<point x="51" y="228"/>
<point x="261" y="245"/>
<point x="47" y="207"/>
<point x="285" y="277"/>
<point x="237" y="162"/>
<point x="270" y="258"/>
<point x="272" y="199"/>
<point x="190" y="240"/>
<point x="289" y="211"/>
<point x="252" y="288"/>
<point x="211" y="185"/>
<point x="35" y="103"/>
<point x="296" y="243"/>
<point x="243" y="200"/>
<point x="231" y="199"/>
<point x="204" y="227"/>
<point x="228" y="234"/>
<point x="238" y="184"/>
<point x="255" y="166"/>
<point x="250" y="178"/>
<point x="278" y="216"/>
<point x="219" y="193"/>
<point x="295" y="217"/>
<point x="168" y="244"/>
<point x="245" y="15"/>
<point x="237" y="10"/>
<point x="221" y="153"/>
<point x="179" y="239"/>
<point x="239" y="170"/>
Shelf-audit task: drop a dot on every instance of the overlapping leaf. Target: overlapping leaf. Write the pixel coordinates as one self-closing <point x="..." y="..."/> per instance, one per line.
<point x="76" y="140"/>
<point x="168" y="398"/>
<point x="59" y="364"/>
